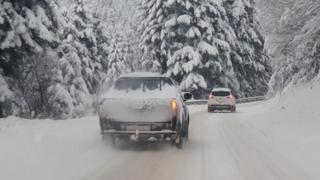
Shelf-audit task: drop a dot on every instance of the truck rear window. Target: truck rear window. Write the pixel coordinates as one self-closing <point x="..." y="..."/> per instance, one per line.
<point x="142" y="83"/>
<point x="220" y="93"/>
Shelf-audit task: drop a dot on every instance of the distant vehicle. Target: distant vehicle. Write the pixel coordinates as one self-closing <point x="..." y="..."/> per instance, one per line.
<point x="144" y="106"/>
<point x="221" y="99"/>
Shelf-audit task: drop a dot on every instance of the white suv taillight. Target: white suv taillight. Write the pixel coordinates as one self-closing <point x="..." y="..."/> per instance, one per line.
<point x="231" y="96"/>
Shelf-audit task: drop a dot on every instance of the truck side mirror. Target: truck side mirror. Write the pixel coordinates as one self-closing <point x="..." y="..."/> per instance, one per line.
<point x="187" y="96"/>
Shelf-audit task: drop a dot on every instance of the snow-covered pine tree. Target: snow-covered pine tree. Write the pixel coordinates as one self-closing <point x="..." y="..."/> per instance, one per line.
<point x="206" y="44"/>
<point x="50" y="59"/>
<point x="68" y="92"/>
<point x="297" y="53"/>
<point x="79" y="65"/>
<point x="250" y="63"/>
<point x="133" y="39"/>
<point x="121" y="19"/>
<point x="188" y="36"/>
<point x="27" y="28"/>
<point x="117" y="59"/>
<point x="152" y="20"/>
<point x="86" y="27"/>
<point x="100" y="56"/>
<point x="5" y="96"/>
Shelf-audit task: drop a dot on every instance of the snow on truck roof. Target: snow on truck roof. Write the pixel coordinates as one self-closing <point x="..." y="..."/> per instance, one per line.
<point x="141" y="74"/>
<point x="221" y="89"/>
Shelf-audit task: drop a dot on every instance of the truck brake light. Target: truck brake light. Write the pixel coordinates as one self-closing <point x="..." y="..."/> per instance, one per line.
<point x="174" y="105"/>
<point x="211" y="96"/>
<point x="174" y="108"/>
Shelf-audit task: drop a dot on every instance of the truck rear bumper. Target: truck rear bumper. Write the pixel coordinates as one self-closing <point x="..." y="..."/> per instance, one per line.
<point x="112" y="126"/>
<point x="141" y="135"/>
<point x="137" y="132"/>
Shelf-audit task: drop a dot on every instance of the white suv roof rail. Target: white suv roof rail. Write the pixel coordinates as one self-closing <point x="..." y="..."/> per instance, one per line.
<point x="221" y="89"/>
<point x="142" y="74"/>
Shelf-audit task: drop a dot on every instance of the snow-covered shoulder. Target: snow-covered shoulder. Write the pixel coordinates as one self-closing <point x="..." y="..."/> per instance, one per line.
<point x="48" y="149"/>
<point x="291" y="122"/>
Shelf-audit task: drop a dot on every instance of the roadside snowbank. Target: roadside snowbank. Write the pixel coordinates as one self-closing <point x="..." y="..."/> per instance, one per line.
<point x="50" y="150"/>
<point x="291" y="122"/>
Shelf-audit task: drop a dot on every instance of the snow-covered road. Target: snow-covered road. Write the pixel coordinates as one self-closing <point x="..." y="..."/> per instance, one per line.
<point x="222" y="146"/>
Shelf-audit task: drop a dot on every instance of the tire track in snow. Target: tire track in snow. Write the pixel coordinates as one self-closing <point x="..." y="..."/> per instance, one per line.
<point x="221" y="147"/>
<point x="254" y="157"/>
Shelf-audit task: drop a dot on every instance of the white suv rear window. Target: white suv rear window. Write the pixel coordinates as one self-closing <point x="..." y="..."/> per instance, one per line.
<point x="220" y="93"/>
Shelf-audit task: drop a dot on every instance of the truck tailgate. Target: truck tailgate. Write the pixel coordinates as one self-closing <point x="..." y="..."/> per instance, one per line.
<point x="137" y="110"/>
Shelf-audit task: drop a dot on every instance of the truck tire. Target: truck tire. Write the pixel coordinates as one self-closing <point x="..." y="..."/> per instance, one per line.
<point x="186" y="130"/>
<point x="210" y="110"/>
<point x="110" y="140"/>
<point x="102" y="123"/>
<point x="105" y="138"/>
<point x="179" y="137"/>
<point x="114" y="142"/>
<point x="233" y="109"/>
<point x="179" y="141"/>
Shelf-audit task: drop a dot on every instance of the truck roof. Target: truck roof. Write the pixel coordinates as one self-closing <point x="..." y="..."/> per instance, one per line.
<point x="141" y="74"/>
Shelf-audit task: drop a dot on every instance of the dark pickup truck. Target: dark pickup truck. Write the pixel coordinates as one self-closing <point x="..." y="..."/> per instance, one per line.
<point x="144" y="106"/>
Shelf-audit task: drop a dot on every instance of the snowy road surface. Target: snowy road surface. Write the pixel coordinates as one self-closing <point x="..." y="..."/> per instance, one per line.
<point x="222" y="146"/>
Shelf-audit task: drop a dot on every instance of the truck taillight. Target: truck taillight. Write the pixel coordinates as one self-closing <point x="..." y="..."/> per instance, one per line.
<point x="174" y="108"/>
<point x="174" y="105"/>
<point x="210" y="96"/>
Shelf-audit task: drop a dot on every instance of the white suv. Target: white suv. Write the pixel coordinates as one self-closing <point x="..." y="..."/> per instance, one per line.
<point x="221" y="99"/>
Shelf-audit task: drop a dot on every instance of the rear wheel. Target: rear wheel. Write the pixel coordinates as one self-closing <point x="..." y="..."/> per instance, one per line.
<point x="179" y="137"/>
<point x="103" y="124"/>
<point x="105" y="138"/>
<point x="179" y="141"/>
<point x="109" y="139"/>
<point x="233" y="109"/>
<point x="115" y="142"/>
<point x="186" y="133"/>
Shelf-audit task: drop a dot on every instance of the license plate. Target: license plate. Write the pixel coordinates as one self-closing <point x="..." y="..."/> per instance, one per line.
<point x="140" y="128"/>
<point x="220" y="101"/>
